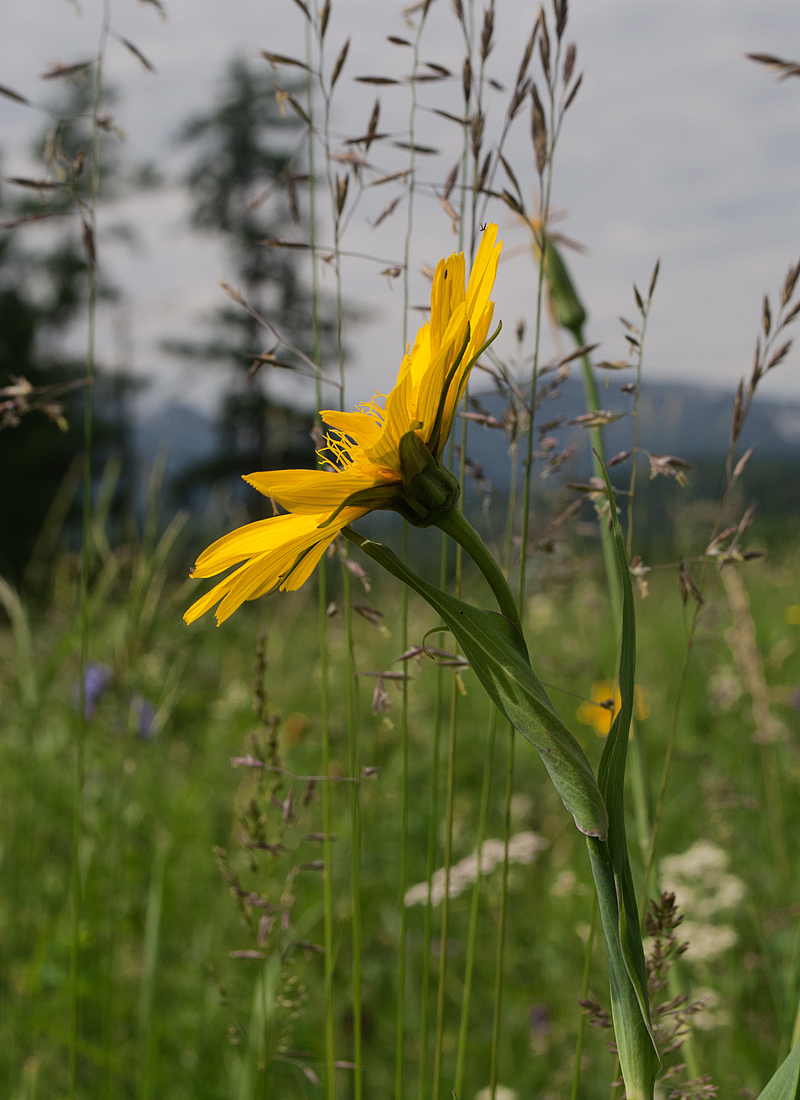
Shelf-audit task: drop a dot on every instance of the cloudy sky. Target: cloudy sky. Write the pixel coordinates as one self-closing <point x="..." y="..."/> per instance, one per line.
<point x="676" y="147"/>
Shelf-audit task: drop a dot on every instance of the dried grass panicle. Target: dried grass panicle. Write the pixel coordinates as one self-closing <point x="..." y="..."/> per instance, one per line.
<point x="671" y="1017"/>
<point x="699" y="1088"/>
<point x="779" y="65"/>
<point x="272" y="829"/>
<point x="765" y="358"/>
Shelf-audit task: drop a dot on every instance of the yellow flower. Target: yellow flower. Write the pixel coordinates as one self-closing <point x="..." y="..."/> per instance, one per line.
<point x="380" y="457"/>
<point x="599" y="713"/>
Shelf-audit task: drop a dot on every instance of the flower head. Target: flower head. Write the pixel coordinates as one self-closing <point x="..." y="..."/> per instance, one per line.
<point x="379" y="457"/>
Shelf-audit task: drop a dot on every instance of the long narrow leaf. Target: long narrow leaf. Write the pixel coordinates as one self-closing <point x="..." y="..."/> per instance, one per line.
<point x="611" y="866"/>
<point x="785" y="1083"/>
<point x="499" y="657"/>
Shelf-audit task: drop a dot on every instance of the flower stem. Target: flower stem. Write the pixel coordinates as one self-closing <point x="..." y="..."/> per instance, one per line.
<point x="433" y="820"/>
<point x="355" y="834"/>
<point x="457" y="526"/>
<point x="322" y="596"/>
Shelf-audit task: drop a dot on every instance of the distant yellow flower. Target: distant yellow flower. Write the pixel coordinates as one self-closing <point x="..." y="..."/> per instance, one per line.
<point x="598" y="713"/>
<point x="381" y="457"/>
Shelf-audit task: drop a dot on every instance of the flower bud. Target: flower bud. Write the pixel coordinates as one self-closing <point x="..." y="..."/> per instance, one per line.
<point x="429" y="490"/>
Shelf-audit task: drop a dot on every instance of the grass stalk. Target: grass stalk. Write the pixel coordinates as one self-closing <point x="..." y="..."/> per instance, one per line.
<point x="401" y="953"/>
<point x="354" y="765"/>
<point x="637" y="769"/>
<point x="86" y="566"/>
<point x="448" y="856"/>
<point x="433" y="818"/>
<point x="587" y="968"/>
<point x="322" y="610"/>
<point x="472" y="932"/>
<point x="494" y="1065"/>
<point x="401" y="947"/>
<point x="545" y="183"/>
<point x="152" y="934"/>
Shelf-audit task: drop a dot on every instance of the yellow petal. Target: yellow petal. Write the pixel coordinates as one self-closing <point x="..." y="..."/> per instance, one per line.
<point x="255" y="538"/>
<point x="206" y="602"/>
<point x="398" y="419"/>
<point x="419" y="358"/>
<point x="484" y="271"/>
<point x="447" y="294"/>
<point x="432" y="384"/>
<point x="308" y="492"/>
<point x="362" y="428"/>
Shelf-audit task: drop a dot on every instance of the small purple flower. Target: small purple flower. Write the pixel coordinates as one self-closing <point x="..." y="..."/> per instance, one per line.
<point x="96" y="678"/>
<point x="145" y="714"/>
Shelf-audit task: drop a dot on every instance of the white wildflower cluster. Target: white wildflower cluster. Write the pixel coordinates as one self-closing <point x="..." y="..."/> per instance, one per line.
<point x="703" y="887"/>
<point x="500" y="1093"/>
<point x="522" y="848"/>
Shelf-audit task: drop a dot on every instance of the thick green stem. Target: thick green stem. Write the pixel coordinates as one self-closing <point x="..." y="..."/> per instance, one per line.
<point x="457" y="526"/>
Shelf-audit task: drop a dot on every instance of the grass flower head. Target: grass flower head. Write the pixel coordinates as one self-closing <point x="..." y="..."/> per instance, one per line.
<point x="378" y="457"/>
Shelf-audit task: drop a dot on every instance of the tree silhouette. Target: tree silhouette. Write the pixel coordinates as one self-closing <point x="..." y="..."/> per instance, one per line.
<point x="42" y="293"/>
<point x="243" y="184"/>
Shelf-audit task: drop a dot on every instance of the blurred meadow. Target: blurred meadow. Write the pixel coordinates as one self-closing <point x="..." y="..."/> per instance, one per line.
<point x="300" y="854"/>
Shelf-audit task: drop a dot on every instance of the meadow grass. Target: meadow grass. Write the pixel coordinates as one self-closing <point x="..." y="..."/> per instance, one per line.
<point x="216" y="907"/>
<point x="157" y="805"/>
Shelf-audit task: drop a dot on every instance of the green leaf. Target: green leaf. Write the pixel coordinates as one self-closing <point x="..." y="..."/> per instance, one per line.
<point x="497" y="653"/>
<point x="611" y="867"/>
<point x="785" y="1084"/>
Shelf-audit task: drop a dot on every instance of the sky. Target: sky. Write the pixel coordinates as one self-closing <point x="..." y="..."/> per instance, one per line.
<point x="676" y="147"/>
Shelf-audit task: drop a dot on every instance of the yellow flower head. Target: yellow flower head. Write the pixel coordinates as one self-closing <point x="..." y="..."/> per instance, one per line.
<point x="605" y="706"/>
<point x="380" y="457"/>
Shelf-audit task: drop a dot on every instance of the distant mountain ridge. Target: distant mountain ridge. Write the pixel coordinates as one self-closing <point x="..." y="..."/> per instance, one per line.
<point x="683" y="420"/>
<point x="690" y="422"/>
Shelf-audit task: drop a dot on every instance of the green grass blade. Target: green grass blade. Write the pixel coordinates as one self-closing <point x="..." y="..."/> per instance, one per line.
<point x="785" y="1083"/>
<point x="611" y="867"/>
<point x="152" y="934"/>
<point x="21" y="631"/>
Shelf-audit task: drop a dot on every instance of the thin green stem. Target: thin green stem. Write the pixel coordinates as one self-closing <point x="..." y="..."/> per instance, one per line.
<point x="544" y="186"/>
<point x="86" y="567"/>
<point x="587" y="968"/>
<point x="598" y="457"/>
<point x="472" y="933"/>
<point x="354" y="765"/>
<point x="433" y="820"/>
<point x="448" y="855"/>
<point x="638" y="771"/>
<point x="322" y="615"/>
<point x="494" y="1065"/>
<point x="402" y="947"/>
<point x="635" y="451"/>
<point x="401" y="953"/>
<point x="451" y="769"/>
